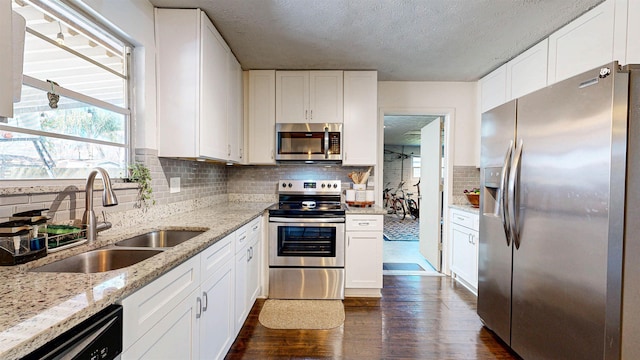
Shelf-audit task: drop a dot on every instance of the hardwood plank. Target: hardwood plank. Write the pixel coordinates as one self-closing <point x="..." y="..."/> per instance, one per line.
<point x="416" y="318"/>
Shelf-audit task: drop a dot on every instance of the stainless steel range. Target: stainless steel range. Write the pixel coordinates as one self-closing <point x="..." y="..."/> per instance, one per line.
<point x="306" y="241"/>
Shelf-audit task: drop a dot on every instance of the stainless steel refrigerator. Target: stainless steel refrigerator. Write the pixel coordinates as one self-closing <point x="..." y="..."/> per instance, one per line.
<point x="552" y="225"/>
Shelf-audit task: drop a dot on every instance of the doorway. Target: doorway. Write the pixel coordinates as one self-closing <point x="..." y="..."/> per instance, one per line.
<point x="403" y="139"/>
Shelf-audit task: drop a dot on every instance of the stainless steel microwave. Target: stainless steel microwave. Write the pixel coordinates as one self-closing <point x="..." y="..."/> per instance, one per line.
<point x="309" y="142"/>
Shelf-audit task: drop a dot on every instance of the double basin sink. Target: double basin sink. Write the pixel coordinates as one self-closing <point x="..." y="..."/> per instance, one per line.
<point x="126" y="252"/>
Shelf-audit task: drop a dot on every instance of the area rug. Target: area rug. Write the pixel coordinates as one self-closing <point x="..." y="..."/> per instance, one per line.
<point x="401" y="230"/>
<point x="402" y="266"/>
<point x="302" y="314"/>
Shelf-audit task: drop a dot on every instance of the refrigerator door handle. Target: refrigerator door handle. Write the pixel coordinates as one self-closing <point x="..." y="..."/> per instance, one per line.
<point x="514" y="179"/>
<point x="503" y="201"/>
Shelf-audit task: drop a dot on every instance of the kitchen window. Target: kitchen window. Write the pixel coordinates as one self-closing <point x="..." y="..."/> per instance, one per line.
<point x="74" y="110"/>
<point x="415" y="166"/>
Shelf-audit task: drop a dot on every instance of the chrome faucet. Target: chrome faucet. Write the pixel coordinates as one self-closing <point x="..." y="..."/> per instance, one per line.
<point x="108" y="199"/>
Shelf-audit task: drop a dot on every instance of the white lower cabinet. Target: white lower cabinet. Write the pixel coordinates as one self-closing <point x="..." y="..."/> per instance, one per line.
<point x="247" y="260"/>
<point x="464" y="248"/>
<point x="363" y="263"/>
<point x="187" y="313"/>
<point x="217" y="326"/>
<point x="175" y="336"/>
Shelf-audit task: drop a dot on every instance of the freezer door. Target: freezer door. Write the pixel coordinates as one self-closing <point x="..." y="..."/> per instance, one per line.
<point x="495" y="254"/>
<point x="568" y="209"/>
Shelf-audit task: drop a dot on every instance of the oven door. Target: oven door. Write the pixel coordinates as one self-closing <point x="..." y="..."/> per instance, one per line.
<point x="308" y="242"/>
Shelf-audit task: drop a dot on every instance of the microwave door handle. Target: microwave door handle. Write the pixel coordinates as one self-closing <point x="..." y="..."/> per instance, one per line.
<point x="326" y="142"/>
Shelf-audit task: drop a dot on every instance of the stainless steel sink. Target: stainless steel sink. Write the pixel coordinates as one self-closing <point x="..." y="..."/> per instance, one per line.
<point x="99" y="260"/>
<point x="159" y="238"/>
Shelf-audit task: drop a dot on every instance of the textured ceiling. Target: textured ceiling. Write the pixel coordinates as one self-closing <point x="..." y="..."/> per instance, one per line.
<point x="420" y="40"/>
<point x="405" y="129"/>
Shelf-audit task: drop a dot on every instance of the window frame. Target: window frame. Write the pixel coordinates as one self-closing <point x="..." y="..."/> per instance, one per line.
<point x="106" y="36"/>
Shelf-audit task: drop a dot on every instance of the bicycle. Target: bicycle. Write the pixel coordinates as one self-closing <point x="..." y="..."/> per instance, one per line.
<point x="412" y="205"/>
<point x="393" y="203"/>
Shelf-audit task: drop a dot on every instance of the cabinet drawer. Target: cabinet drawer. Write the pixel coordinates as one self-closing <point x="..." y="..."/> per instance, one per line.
<point x="215" y="255"/>
<point x="241" y="238"/>
<point x="465" y="219"/>
<point x="147" y="306"/>
<point x="254" y="227"/>
<point x="364" y="223"/>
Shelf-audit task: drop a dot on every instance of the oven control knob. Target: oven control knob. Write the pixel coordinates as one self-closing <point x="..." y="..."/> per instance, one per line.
<point x="335" y="186"/>
<point x="290" y="185"/>
<point x="284" y="185"/>
<point x="323" y="186"/>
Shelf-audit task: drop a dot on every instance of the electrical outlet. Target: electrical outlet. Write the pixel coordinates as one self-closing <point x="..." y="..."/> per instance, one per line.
<point x="174" y="185"/>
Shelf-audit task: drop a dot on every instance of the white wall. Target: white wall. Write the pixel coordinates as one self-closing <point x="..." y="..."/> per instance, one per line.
<point x="133" y="20"/>
<point x="459" y="96"/>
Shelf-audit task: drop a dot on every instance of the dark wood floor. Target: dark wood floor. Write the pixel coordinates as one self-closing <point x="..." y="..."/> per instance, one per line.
<point x="416" y="318"/>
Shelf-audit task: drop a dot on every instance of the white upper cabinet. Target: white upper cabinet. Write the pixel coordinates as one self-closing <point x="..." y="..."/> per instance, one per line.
<point x="583" y="44"/>
<point x="326" y="96"/>
<point x="360" y="135"/>
<point x="214" y="90"/>
<point x="235" y="120"/>
<point x="261" y="122"/>
<point x="632" y="29"/>
<point x="527" y="72"/>
<point x="292" y="96"/>
<point x="309" y="97"/>
<point x="6" y="62"/>
<point x="493" y="89"/>
<point x="193" y="83"/>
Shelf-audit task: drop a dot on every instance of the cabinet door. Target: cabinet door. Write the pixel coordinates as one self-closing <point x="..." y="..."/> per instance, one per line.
<point x="177" y="33"/>
<point x="528" y="71"/>
<point x="235" y="124"/>
<point x="216" y="322"/>
<point x="464" y="257"/>
<point x="174" y="337"/>
<point x="583" y="44"/>
<point x="292" y="96"/>
<point x="213" y="96"/>
<point x="493" y="89"/>
<point x="146" y="307"/>
<point x="254" y="274"/>
<point x="325" y="97"/>
<point x="262" y="120"/>
<point x="632" y="45"/>
<point x="360" y="129"/>
<point x="363" y="262"/>
<point x="242" y="267"/>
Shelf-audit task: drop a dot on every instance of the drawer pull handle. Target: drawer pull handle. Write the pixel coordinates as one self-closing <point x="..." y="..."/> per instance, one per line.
<point x="206" y="301"/>
<point x="363" y="223"/>
<point x="242" y="238"/>
<point x="255" y="228"/>
<point x="199" y="309"/>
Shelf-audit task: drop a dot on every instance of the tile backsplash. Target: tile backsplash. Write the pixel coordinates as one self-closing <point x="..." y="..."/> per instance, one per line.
<point x="201" y="184"/>
<point x="259" y="183"/>
<point x="464" y="178"/>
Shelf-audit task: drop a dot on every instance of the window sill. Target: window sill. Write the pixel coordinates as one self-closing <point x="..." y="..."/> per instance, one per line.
<point x="50" y="186"/>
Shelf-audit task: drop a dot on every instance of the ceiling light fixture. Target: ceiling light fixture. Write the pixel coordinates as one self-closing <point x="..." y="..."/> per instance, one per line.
<point x="60" y="36"/>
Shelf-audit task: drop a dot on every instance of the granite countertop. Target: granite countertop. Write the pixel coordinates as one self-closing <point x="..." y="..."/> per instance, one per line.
<point x="466" y="207"/>
<point x="375" y="210"/>
<point x="38" y="306"/>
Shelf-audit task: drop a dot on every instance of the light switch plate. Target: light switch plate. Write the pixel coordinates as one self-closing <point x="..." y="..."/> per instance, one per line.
<point x="174" y="185"/>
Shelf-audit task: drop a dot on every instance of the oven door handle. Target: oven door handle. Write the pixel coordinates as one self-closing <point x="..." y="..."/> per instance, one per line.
<point x="306" y="220"/>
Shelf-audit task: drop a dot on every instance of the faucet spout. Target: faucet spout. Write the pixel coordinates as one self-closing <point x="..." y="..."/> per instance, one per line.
<point x="108" y="199"/>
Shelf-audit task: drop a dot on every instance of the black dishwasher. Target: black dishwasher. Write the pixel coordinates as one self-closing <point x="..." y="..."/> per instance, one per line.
<point x="99" y="338"/>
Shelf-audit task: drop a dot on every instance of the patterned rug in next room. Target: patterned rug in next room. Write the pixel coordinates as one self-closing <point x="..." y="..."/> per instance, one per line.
<point x="400" y="230"/>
